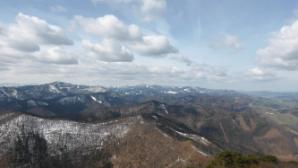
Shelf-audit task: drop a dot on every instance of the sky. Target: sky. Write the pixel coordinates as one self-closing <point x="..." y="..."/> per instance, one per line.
<point x="216" y="44"/>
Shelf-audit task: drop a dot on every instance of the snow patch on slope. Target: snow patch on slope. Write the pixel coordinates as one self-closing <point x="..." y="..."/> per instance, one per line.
<point x="172" y="92"/>
<point x="164" y="108"/>
<point x="95" y="89"/>
<point x="61" y="132"/>
<point x="95" y="99"/>
<point x="53" y="89"/>
<point x="203" y="140"/>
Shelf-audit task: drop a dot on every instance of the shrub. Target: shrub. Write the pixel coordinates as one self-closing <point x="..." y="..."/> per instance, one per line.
<point x="229" y="159"/>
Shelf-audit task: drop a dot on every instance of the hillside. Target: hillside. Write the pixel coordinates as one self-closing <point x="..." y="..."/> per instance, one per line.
<point x="144" y="126"/>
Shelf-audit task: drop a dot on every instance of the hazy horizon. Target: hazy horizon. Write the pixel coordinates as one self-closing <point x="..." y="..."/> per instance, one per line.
<point x="144" y="84"/>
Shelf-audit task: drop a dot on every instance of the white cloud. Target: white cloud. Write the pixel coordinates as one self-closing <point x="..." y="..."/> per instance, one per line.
<point x="58" y="9"/>
<point x="109" y="26"/>
<point x="56" y="55"/>
<point x="154" y="45"/>
<point x="260" y="74"/>
<point x="29" y="32"/>
<point x="30" y="38"/>
<point x="109" y="51"/>
<point x="282" y="50"/>
<point x="227" y="41"/>
<point x="6" y="51"/>
<point x="36" y="31"/>
<point x="25" y="47"/>
<point x="113" y="74"/>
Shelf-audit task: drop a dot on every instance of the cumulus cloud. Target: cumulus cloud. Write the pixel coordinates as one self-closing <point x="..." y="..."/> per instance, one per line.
<point x="227" y="41"/>
<point x="28" y="37"/>
<point x="110" y="28"/>
<point x="29" y="32"/>
<point x="282" y="50"/>
<point x="109" y="51"/>
<point x="154" y="45"/>
<point x="58" y="9"/>
<point x="6" y="51"/>
<point x="56" y="55"/>
<point x="260" y="74"/>
<point x="34" y="50"/>
<point x="37" y="31"/>
<point x="148" y="9"/>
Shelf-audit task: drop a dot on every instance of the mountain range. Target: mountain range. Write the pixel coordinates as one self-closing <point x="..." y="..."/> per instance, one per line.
<point x="143" y="126"/>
